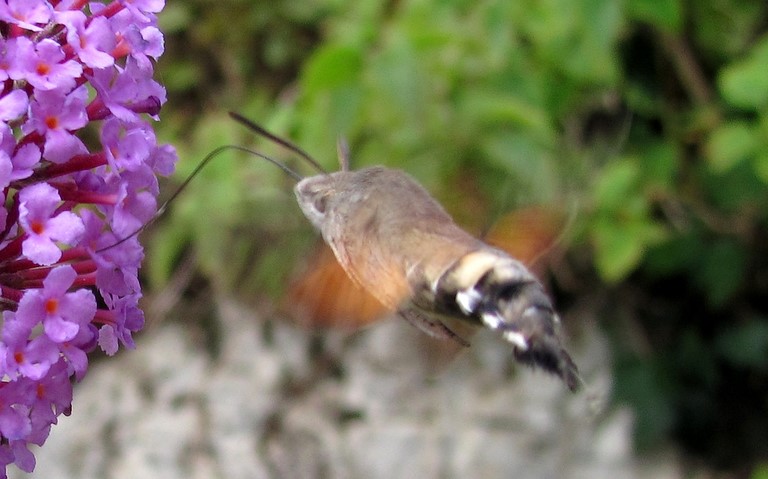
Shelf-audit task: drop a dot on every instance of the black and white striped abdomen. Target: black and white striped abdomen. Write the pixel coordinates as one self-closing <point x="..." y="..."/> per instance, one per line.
<point x="492" y="288"/>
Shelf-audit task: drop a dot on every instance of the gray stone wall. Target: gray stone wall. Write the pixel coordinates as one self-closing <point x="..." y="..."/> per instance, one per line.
<point x="269" y="400"/>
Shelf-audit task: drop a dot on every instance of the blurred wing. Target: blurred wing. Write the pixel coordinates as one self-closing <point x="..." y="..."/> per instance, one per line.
<point x="527" y="234"/>
<point x="324" y="296"/>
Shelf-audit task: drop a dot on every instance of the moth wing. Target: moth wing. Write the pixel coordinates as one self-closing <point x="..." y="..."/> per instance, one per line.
<point x="380" y="274"/>
<point x="323" y="295"/>
<point x="527" y="234"/>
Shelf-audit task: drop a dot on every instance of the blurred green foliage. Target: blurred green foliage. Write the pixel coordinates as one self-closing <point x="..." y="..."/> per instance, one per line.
<point x="650" y="115"/>
<point x="760" y="472"/>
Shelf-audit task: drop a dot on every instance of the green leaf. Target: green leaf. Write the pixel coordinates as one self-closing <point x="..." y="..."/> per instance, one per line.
<point x="399" y="80"/>
<point x="500" y="108"/>
<point x="617" y="181"/>
<point x="332" y="67"/>
<point x="746" y="345"/>
<point x="744" y="84"/>
<point x="332" y="96"/>
<point x="526" y="161"/>
<point x="729" y="145"/>
<point x="721" y="271"/>
<point x="617" y="251"/>
<point x="620" y="247"/>
<point x="676" y="255"/>
<point x="623" y="229"/>
<point x="734" y="191"/>
<point x="761" y="167"/>
<point x="660" y="165"/>
<point x="665" y="14"/>
<point x="725" y="28"/>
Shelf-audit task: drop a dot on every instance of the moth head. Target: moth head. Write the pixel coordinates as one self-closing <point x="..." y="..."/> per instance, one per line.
<point x="315" y="196"/>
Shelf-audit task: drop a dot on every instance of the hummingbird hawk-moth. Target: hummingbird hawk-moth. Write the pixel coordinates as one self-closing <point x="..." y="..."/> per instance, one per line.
<point x="398" y="243"/>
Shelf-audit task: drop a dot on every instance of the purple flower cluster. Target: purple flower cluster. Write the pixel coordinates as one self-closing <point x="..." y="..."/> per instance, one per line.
<point x="78" y="172"/>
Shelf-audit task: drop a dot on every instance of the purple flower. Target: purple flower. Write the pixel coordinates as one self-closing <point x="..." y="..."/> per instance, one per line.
<point x="43" y="65"/>
<point x="140" y="40"/>
<point x="27" y="14"/>
<point x="129" y="92"/>
<point x="139" y="8"/>
<point x="55" y="114"/>
<point x="162" y="160"/>
<point x="135" y="202"/>
<point x="20" y="160"/>
<point x="62" y="313"/>
<point x="54" y="393"/>
<point x="26" y="157"/>
<point x="117" y="273"/>
<point x="74" y="352"/>
<point x="14" y="410"/>
<point x="31" y="359"/>
<point x="127" y="148"/>
<point x="92" y="41"/>
<point x="13" y="105"/>
<point x="67" y="286"/>
<point x="125" y="319"/>
<point x="6" y="167"/>
<point x="37" y="205"/>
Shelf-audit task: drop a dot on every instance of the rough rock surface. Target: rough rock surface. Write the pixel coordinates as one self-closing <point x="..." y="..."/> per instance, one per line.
<point x="268" y="400"/>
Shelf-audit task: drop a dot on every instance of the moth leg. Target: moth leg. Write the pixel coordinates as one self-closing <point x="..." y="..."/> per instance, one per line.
<point x="432" y="327"/>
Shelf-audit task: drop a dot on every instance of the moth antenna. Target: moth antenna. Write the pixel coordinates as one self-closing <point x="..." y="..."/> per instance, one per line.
<point x="342" y="149"/>
<point x="210" y="156"/>
<point x="280" y="141"/>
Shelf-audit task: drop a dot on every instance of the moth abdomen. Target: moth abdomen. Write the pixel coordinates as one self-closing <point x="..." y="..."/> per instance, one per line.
<point x="477" y="278"/>
<point x="491" y="288"/>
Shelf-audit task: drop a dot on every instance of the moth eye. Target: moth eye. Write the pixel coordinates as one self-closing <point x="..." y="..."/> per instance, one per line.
<point x="320" y="203"/>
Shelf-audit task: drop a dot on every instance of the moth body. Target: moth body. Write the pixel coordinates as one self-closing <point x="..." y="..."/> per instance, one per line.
<point x="397" y="242"/>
